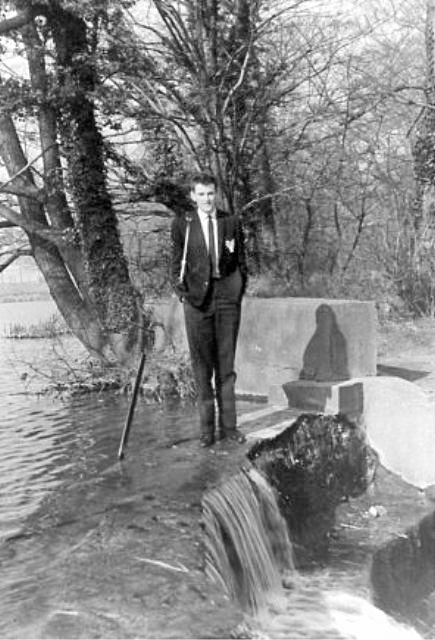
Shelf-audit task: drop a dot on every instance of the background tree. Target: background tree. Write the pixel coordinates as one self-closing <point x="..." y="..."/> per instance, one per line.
<point x="276" y="100"/>
<point x="310" y="119"/>
<point x="206" y="72"/>
<point x="344" y="157"/>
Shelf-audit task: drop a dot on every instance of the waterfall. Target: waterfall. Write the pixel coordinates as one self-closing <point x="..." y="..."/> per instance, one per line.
<point x="247" y="546"/>
<point x="247" y="551"/>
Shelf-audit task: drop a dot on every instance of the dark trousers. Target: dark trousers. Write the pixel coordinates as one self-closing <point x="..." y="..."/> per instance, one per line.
<point x="212" y="336"/>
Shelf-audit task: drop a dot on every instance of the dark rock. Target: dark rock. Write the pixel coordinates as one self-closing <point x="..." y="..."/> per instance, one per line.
<point x="403" y="570"/>
<point x="314" y="465"/>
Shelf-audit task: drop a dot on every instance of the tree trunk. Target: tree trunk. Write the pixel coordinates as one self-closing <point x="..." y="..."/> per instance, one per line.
<point x="56" y="202"/>
<point x="80" y="318"/>
<point x="263" y="223"/>
<point x="116" y="300"/>
<point x="80" y="254"/>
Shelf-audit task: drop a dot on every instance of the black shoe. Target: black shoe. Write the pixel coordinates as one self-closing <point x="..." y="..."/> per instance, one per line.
<point x="206" y="440"/>
<point x="234" y="434"/>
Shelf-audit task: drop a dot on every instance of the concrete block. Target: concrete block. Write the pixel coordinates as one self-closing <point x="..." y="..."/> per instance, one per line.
<point x="351" y="399"/>
<point x="284" y="339"/>
<point x="311" y="396"/>
<point x="326" y="397"/>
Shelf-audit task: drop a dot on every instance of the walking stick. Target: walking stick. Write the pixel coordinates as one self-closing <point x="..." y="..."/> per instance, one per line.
<point x="131" y="408"/>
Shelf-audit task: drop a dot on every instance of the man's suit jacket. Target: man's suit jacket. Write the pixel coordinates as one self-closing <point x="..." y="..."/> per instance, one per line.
<point x="231" y="255"/>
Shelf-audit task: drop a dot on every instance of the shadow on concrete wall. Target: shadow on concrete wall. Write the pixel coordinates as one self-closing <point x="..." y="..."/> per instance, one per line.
<point x="325" y="358"/>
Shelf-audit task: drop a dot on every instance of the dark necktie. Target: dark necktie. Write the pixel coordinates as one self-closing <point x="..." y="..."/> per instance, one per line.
<point x="212" y="248"/>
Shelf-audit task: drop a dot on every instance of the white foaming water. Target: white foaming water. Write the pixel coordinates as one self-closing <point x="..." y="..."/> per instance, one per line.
<point x="314" y="611"/>
<point x="248" y="550"/>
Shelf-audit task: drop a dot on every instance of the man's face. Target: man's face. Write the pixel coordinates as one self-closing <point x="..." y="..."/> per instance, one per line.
<point x="204" y="196"/>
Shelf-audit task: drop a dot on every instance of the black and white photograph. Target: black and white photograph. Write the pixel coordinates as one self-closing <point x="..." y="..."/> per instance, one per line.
<point x="217" y="319"/>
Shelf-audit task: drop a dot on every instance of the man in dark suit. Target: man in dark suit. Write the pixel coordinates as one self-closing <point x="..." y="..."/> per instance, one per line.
<point x="209" y="276"/>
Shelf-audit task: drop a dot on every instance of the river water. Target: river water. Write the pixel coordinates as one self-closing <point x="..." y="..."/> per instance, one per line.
<point x="38" y="435"/>
<point x="58" y="461"/>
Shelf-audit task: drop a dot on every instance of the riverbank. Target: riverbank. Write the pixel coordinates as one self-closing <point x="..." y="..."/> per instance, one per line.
<point x="122" y="549"/>
<point x="123" y="555"/>
<point x="51" y="361"/>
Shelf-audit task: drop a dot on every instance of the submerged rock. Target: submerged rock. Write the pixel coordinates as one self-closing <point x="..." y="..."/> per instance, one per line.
<point x="316" y="463"/>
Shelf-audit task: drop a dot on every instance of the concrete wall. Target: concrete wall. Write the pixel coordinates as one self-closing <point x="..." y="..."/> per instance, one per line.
<point x="284" y="339"/>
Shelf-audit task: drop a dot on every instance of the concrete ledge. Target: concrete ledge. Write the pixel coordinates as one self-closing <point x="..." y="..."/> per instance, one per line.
<point x="250" y="396"/>
<point x="326" y="397"/>
<point x="284" y="339"/>
<point x="399" y="418"/>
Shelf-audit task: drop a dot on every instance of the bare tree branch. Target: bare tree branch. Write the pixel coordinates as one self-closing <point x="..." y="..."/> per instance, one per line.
<point x="56" y="237"/>
<point x="241" y="77"/>
<point x="31" y="192"/>
<point x="26" y="191"/>
<point x="267" y="196"/>
<point x="162" y="112"/>
<point x="17" y="254"/>
<point x="12" y="248"/>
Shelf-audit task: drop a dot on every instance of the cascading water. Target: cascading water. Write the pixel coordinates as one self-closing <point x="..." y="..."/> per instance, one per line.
<point x="246" y="539"/>
<point x="248" y="551"/>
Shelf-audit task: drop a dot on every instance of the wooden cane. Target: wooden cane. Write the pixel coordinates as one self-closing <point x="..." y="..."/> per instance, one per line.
<point x="131" y="408"/>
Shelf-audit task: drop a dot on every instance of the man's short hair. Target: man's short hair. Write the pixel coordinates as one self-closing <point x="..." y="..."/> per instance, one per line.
<point x="202" y="177"/>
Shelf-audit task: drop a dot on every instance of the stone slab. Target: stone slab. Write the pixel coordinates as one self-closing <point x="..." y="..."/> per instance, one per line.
<point x="399" y="418"/>
<point x="282" y="339"/>
<point x="326" y="397"/>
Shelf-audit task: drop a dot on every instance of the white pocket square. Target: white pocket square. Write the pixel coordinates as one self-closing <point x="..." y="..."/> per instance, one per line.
<point x="230" y="245"/>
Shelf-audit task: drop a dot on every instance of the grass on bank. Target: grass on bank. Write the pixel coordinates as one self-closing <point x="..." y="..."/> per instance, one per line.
<point x="163" y="379"/>
<point x="53" y="327"/>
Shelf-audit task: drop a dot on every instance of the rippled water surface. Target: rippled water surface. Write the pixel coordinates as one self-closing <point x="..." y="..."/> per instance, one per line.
<point x="52" y="448"/>
<point x="38" y="435"/>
